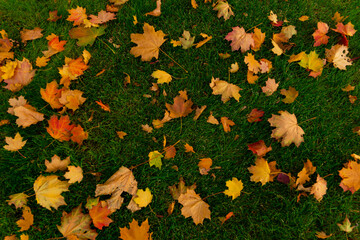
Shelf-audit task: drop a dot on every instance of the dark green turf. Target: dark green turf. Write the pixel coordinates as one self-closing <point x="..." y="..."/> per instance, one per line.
<point x="263" y="212"/>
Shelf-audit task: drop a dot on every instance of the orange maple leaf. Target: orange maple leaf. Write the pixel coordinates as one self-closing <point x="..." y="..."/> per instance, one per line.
<point x="78" y="134"/>
<point x="240" y="39"/>
<point x="77" y="15"/>
<point x="51" y="94"/>
<point x="350" y="175"/>
<point x="319" y="35"/>
<point x="347" y="29"/>
<point x="255" y="115"/>
<point x="259" y="148"/>
<point x="60" y="129"/>
<point x="180" y="108"/>
<point x="105" y="107"/>
<point x="135" y="231"/>
<point x="227" y="123"/>
<point x="99" y="216"/>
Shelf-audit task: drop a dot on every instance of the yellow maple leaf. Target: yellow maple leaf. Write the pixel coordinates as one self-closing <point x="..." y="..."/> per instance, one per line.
<point x="162" y="76"/>
<point x="261" y="171"/>
<point x="350" y="175"/>
<point x="224" y="10"/>
<point x="319" y="188"/>
<point x="143" y="197"/>
<point x="303" y="175"/>
<point x="19" y="200"/>
<point x="74" y="174"/>
<point x="14" y="144"/>
<point x="136" y="232"/>
<point x="297" y="57"/>
<point x="259" y="38"/>
<point x="194" y="206"/>
<point x="227" y="123"/>
<point x="251" y="77"/>
<point x="48" y="191"/>
<point x="148" y="43"/>
<point x="312" y="61"/>
<point x="286" y="128"/>
<point x="235" y="186"/>
<point x="8" y="69"/>
<point x="225" y="89"/>
<point x="290" y="95"/>
<point x="27" y="221"/>
<point x="42" y="61"/>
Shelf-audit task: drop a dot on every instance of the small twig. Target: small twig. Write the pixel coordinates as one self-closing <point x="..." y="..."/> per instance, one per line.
<point x="328" y="175"/>
<point x="21" y="154"/>
<point x="173" y="60"/>
<point x="107" y="46"/>
<point x="43" y="107"/>
<point x="50" y="143"/>
<point x="214" y="194"/>
<point x="254" y="27"/>
<point x="307" y="120"/>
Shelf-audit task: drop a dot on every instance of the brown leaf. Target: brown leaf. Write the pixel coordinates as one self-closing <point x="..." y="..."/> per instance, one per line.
<point x="271" y="87"/>
<point x="136" y="232"/>
<point x="188" y="148"/>
<point x="205" y="165"/>
<point x="198" y="112"/>
<point x="225" y="89"/>
<point x="303" y="175"/>
<point x="27" y="34"/>
<point x="290" y="95"/>
<point x="14" y="144"/>
<point x="181" y="189"/>
<point x="170" y="152"/>
<point x="28" y="219"/>
<point x="259" y="148"/>
<point x="147" y="128"/>
<point x="211" y="119"/>
<point x="194" y="206"/>
<point x="57" y="164"/>
<point x="23" y="75"/>
<point x="180" y="108"/>
<point x="319" y="188"/>
<point x="157" y="11"/>
<point x="227" y="123"/>
<point x="121" y="134"/>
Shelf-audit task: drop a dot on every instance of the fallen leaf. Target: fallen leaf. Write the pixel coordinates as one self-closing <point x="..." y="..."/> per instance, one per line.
<point x="276" y="49"/>
<point x="148" y="43"/>
<point x="263" y="171"/>
<point x="162" y="76"/>
<point x="118" y="2"/>
<point x="54" y="45"/>
<point x="227" y="217"/>
<point x="303" y="175"/>
<point x="76" y="225"/>
<point x="60" y="129"/>
<point x="303" y="18"/>
<point x="240" y="39"/>
<point x="350" y="175"/>
<point x="319" y="35"/>
<point x="23" y="75"/>
<point x="225" y="89"/>
<point x="337" y="17"/>
<point x="297" y="57"/>
<point x="347" y="29"/>
<point x="157" y="123"/>
<point x="42" y="61"/>
<point x="72" y="69"/>
<point x="28" y="219"/>
<point x="259" y="38"/>
<point x="189" y="148"/>
<point x="289" y="31"/>
<point x="253" y="64"/>
<point x="337" y="56"/>
<point x="270" y="88"/>
<point x="105" y="107"/>
<point x="147" y="128"/>
<point x="205" y="165"/>
<point x="19" y="200"/>
<point x="78" y="134"/>
<point x="180" y="108"/>
<point x="194" y="4"/>
<point x="273" y="17"/>
<point x="121" y="181"/>
<point x="99" y="215"/>
<point x="259" y="148"/>
<point x="251" y="77"/>
<point x="322" y="235"/>
<point x="48" y="191"/>
<point x="181" y="189"/>
<point x="224" y="55"/>
<point x="235" y="187"/>
<point x="255" y="115"/>
<point x="227" y="123"/>
<point x="155" y="159"/>
<point x="206" y="39"/>
<point x="287" y="129"/>
<point x="157" y="11"/>
<point x="102" y="17"/>
<point x="27" y="34"/>
<point x="14" y="144"/>
<point x="135" y="20"/>
<point x="352" y="99"/>
<point x="234" y="67"/>
<point x="53" y="16"/>
<point x="319" y="188"/>
<point x="194" y="206"/>
<point x="198" y="112"/>
<point x="224" y="10"/>
<point x="348" y="88"/>
<point x="143" y="197"/>
<point x="121" y="134"/>
<point x="8" y="70"/>
<point x="346" y="226"/>
<point x="86" y="36"/>
<point x="170" y="152"/>
<point x="74" y="174"/>
<point x="57" y="164"/>
<point x="77" y="15"/>
<point x="211" y="119"/>
<point x="290" y="95"/>
<point x="72" y="99"/>
<point x="136" y="232"/>
<point x="187" y="41"/>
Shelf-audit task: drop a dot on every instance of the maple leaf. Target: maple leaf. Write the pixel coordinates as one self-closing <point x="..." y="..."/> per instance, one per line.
<point x="304" y="18"/>
<point x="77" y="15"/>
<point x="297" y="57"/>
<point x="28" y="219"/>
<point x="234" y="67"/>
<point x="27" y="34"/>
<point x="86" y="36"/>
<point x="350" y="175"/>
<point x="273" y="17"/>
<point x="99" y="216"/>
<point x="53" y="16"/>
<point x="211" y="119"/>
<point x="102" y="17"/>
<point x="303" y="175"/>
<point x="289" y="31"/>
<point x="180" y="108"/>
<point x="54" y="45"/>
<point x="74" y="174"/>
<point x="189" y="148"/>
<point x="121" y="181"/>
<point x="78" y="134"/>
<point x="259" y="148"/>
<point x="347" y="29"/>
<point x="225" y="89"/>
<point x="240" y="39"/>
<point x="235" y="186"/>
<point x="42" y="61"/>
<point x="71" y="99"/>
<point x="157" y="11"/>
<point x="118" y="2"/>
<point x="157" y="123"/>
<point x="286" y="128"/>
<point x="136" y="232"/>
<point x="346" y="226"/>
<point x="57" y="164"/>
<point x="162" y="76"/>
<point x="251" y="78"/>
<point x="224" y="10"/>
<point x="198" y="112"/>
<point x="143" y="197"/>
<point x="312" y="61"/>
<point x="337" y="56"/>
<point x="60" y="129"/>
<point x="181" y="189"/>
<point x="147" y="128"/>
<point x="290" y="95"/>
<point x="170" y="152"/>
<point x="319" y="188"/>
<point x="20" y="101"/>
<point x="194" y="206"/>
<point x="148" y="43"/>
<point x="14" y="144"/>
<point x="263" y="171"/>
<point x="27" y="115"/>
<point x="319" y="35"/>
<point x="259" y="38"/>
<point x="253" y="64"/>
<point x="23" y="75"/>
<point x="48" y="191"/>
<point x="8" y="70"/>
<point x="255" y="115"/>
<point x="51" y="94"/>
<point x="187" y="41"/>
<point x="270" y="88"/>
<point x="322" y="235"/>
<point x="227" y="123"/>
<point x="76" y="225"/>
<point x="265" y="65"/>
<point x="19" y="200"/>
<point x="205" y="165"/>
<point x="348" y="88"/>
<point x="155" y="159"/>
<point x="91" y="202"/>
<point x="194" y="4"/>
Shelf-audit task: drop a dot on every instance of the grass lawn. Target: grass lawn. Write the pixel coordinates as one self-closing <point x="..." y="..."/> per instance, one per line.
<point x="269" y="211"/>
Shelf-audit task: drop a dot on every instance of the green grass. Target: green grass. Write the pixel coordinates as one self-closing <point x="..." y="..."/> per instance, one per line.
<point x="263" y="212"/>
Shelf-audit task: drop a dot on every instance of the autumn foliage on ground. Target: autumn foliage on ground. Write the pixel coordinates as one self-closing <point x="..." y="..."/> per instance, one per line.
<point x="62" y="112"/>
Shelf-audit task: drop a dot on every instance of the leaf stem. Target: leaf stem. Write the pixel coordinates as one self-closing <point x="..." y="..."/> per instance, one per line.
<point x="254" y="27"/>
<point x="107" y="45"/>
<point x="214" y="194"/>
<point x="21" y="154"/>
<point x="173" y="60"/>
<point x="307" y="120"/>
